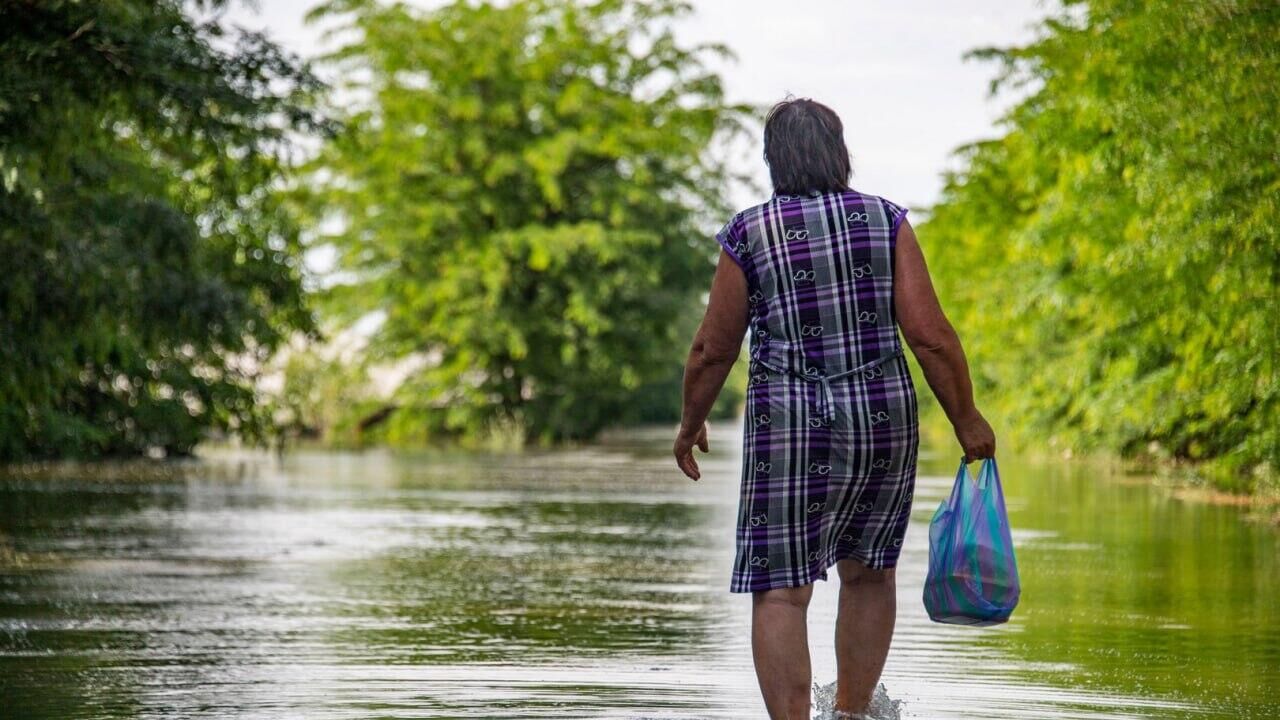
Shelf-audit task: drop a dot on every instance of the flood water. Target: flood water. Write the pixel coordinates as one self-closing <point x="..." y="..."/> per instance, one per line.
<point x="588" y="583"/>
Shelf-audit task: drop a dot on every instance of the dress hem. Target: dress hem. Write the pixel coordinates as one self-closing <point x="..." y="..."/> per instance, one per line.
<point x="812" y="575"/>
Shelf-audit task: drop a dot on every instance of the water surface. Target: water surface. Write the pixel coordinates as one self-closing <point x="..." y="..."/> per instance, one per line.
<point x="587" y="583"/>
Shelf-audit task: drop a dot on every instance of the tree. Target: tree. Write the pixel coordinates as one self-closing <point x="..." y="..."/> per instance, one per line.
<point x="523" y="196"/>
<point x="1115" y="255"/>
<point x="149" y="266"/>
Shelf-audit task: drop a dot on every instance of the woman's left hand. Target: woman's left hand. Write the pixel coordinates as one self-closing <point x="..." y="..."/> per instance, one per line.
<point x="684" y="451"/>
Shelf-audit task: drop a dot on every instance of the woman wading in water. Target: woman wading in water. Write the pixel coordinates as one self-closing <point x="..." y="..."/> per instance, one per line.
<point x="822" y="277"/>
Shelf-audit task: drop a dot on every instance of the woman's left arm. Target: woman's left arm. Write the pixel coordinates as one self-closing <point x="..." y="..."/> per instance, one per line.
<point x="715" y="349"/>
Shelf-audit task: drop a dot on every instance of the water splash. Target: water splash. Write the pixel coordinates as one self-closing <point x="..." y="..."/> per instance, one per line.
<point x="882" y="707"/>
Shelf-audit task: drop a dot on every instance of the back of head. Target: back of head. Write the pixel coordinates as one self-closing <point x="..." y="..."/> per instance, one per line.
<point x="804" y="148"/>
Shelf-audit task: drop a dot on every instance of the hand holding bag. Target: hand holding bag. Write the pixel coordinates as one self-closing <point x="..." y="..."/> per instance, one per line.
<point x="973" y="577"/>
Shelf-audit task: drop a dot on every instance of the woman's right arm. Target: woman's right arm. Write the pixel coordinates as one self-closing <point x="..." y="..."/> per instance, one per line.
<point x="935" y="344"/>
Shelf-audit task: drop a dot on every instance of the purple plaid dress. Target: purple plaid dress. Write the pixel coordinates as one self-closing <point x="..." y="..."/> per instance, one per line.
<point x="830" y="435"/>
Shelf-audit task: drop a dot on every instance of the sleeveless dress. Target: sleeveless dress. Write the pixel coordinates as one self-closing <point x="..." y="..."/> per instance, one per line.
<point x="830" y="433"/>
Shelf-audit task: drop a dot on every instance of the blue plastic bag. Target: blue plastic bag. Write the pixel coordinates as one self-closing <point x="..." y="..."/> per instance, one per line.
<point x="973" y="577"/>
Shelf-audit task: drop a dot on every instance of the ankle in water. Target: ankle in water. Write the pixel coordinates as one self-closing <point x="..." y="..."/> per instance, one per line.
<point x="882" y="707"/>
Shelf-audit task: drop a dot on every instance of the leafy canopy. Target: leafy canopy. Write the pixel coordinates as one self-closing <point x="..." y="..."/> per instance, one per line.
<point x="1114" y="258"/>
<point x="522" y="196"/>
<point x="149" y="268"/>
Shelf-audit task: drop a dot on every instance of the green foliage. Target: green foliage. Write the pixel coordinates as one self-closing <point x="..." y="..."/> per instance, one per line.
<point x="325" y="399"/>
<point x="522" y="194"/>
<point x="660" y="401"/>
<point x="1114" y="259"/>
<point x="148" y="267"/>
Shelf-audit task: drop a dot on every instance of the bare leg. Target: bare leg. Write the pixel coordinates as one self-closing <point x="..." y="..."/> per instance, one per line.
<point x="780" y="648"/>
<point x="864" y="628"/>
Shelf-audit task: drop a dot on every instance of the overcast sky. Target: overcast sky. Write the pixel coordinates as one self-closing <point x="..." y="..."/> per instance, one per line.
<point x="892" y="70"/>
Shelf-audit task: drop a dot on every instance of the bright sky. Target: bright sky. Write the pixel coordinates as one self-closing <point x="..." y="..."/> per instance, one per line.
<point x="892" y="70"/>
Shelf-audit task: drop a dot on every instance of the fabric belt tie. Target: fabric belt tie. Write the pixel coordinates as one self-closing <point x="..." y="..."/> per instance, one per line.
<point x="827" y="398"/>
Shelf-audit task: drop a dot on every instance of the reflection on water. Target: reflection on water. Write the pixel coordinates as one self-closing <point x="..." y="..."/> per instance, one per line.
<point x="583" y="584"/>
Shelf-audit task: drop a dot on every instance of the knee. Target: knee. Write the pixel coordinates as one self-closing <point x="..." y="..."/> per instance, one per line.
<point x="853" y="572"/>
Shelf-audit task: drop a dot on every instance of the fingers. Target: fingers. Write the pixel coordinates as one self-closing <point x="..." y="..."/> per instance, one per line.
<point x="980" y="451"/>
<point x="978" y="442"/>
<point x="684" y="454"/>
<point x="688" y="465"/>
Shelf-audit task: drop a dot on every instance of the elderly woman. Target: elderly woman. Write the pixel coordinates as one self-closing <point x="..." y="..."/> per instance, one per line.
<point x="823" y="276"/>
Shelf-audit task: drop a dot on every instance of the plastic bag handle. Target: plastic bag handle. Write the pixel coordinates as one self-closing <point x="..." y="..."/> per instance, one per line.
<point x="961" y="474"/>
<point x="988" y="464"/>
<point x="995" y="472"/>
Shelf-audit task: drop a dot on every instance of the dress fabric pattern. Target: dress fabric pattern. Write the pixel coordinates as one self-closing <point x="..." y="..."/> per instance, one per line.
<point x="830" y="434"/>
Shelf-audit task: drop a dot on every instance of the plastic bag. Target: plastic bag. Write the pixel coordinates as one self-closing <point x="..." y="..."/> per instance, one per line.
<point x="973" y="577"/>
